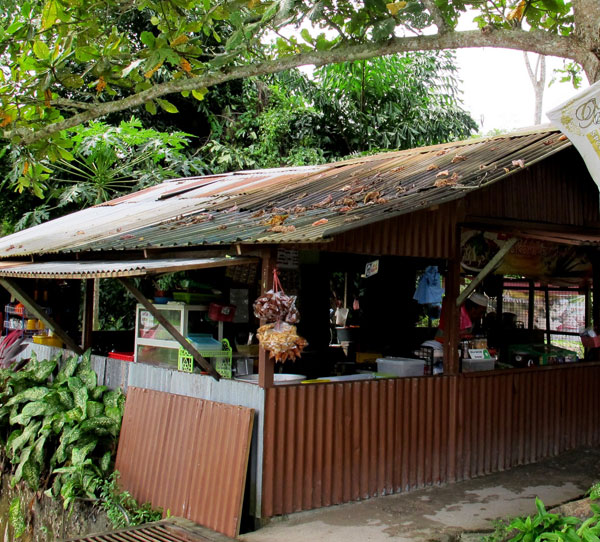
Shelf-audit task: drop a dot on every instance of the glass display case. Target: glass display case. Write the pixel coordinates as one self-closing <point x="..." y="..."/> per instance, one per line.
<point x="154" y="345"/>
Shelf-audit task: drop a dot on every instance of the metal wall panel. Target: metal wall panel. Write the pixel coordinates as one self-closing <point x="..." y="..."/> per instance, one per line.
<point x="526" y="195"/>
<point x="186" y="455"/>
<point x="224" y="391"/>
<point x="424" y="234"/>
<point x="326" y="444"/>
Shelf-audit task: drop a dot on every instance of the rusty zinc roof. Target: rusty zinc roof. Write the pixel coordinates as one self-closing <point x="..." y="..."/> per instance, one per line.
<point x="288" y="205"/>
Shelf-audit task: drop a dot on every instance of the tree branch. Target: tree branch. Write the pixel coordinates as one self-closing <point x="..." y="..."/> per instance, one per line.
<point x="539" y="42"/>
<point x="437" y="16"/>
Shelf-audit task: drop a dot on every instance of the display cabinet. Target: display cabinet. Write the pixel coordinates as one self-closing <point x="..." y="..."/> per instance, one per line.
<point x="154" y="345"/>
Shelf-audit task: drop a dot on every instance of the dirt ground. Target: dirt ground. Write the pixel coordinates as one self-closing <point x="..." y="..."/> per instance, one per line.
<point x="443" y="513"/>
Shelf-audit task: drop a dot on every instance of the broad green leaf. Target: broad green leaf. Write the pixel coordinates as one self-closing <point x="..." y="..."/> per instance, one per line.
<point x="148" y="39"/>
<point x="94" y="408"/>
<point x="49" y="14"/>
<point x="41" y="50"/>
<point x="81" y="453"/>
<point x="105" y="461"/>
<point x="199" y="93"/>
<point x="16" y="516"/>
<point x="30" y="394"/>
<point x="150" y="107"/>
<point x="167" y="106"/>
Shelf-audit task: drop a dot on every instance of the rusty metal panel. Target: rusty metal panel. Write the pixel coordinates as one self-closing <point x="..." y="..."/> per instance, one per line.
<point x="186" y="455"/>
<point x="355" y="440"/>
<point x="424" y="234"/>
<point x="525" y="196"/>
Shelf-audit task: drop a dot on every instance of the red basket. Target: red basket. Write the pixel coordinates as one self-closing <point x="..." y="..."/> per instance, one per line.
<point x="123" y="356"/>
<point x="221" y="313"/>
<point x="590" y="342"/>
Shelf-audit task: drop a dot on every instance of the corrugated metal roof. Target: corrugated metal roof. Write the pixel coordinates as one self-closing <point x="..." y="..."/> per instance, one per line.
<point x="289" y="205"/>
<point x="107" y="269"/>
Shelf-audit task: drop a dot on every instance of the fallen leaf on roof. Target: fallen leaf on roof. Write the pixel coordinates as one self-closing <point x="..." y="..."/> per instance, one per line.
<point x="441" y="183"/>
<point x="325" y="202"/>
<point x="346" y="188"/>
<point x="520" y="163"/>
<point x="352" y="218"/>
<point x="399" y="168"/>
<point x="127" y="236"/>
<point x="282" y="229"/>
<point x="381" y="200"/>
<point x="458" y="158"/>
<point x="231" y="209"/>
<point x="302" y="196"/>
<point x="298" y="210"/>
<point x="80" y="232"/>
<point x="441" y="153"/>
<point x="222" y="227"/>
<point x="320" y="222"/>
<point x="371" y="196"/>
<point x="432" y="167"/>
<point x="506" y="169"/>
<point x="202" y="217"/>
<point x="400" y="189"/>
<point x="141" y="239"/>
<point x="346" y="201"/>
<point x="548" y="142"/>
<point x="258" y="214"/>
<point x="444" y="173"/>
<point x="276" y="220"/>
<point x="563" y="137"/>
<point x="482" y="166"/>
<point x="345" y="209"/>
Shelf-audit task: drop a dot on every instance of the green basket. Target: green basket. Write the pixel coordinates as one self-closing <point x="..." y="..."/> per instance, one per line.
<point x="223" y="364"/>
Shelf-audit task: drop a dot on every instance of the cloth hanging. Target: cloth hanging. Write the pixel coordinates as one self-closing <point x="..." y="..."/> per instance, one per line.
<point x="429" y="290"/>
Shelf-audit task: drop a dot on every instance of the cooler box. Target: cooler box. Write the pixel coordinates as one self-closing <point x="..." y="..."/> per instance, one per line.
<point x="401" y="366"/>
<point x="472" y="365"/>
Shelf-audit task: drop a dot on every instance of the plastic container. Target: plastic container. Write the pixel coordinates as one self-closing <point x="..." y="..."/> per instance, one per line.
<point x="401" y="366"/>
<point x="123" y="356"/>
<point x="221" y="313"/>
<point x="472" y="365"/>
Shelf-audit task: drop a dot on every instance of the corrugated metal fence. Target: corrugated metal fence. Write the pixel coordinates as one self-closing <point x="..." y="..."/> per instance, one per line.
<point x="326" y="444"/>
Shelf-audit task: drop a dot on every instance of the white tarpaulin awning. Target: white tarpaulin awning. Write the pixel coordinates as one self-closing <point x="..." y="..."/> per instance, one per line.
<point x="579" y="119"/>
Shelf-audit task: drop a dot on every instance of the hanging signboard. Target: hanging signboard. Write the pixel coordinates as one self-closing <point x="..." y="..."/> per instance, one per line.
<point x="579" y="119"/>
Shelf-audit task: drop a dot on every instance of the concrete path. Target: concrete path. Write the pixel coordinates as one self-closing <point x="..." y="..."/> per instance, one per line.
<point x="443" y="512"/>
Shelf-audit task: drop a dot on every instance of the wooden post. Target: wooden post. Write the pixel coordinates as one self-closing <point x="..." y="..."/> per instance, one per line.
<point x="595" y="290"/>
<point x="170" y="328"/>
<point x="88" y="314"/>
<point x="15" y="289"/>
<point x="96" y="307"/>
<point x="452" y="318"/>
<point x="266" y="366"/>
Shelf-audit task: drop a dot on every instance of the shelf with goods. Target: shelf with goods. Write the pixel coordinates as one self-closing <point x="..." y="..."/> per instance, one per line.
<point x="154" y="345"/>
<point x="16" y="317"/>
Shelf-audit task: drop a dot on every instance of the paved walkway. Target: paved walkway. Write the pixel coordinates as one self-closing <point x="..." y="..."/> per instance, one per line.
<point x="442" y="513"/>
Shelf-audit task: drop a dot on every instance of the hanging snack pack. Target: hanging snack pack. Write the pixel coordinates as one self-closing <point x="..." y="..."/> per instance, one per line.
<point x="279" y="335"/>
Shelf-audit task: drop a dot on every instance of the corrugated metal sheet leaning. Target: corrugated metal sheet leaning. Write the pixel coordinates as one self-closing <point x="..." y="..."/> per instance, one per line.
<point x="289" y="205"/>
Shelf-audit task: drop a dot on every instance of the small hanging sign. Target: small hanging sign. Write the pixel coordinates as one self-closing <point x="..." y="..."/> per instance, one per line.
<point x="372" y="268"/>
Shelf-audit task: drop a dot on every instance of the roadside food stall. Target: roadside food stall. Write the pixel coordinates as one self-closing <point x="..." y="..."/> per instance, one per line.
<point x="352" y="241"/>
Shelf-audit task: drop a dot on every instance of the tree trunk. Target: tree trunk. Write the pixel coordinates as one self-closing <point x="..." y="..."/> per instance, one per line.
<point x="538" y="81"/>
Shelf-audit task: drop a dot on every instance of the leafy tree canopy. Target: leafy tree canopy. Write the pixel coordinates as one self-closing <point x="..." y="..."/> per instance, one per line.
<point x="70" y="61"/>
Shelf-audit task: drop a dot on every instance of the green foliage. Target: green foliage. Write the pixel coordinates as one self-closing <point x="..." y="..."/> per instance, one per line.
<point x="59" y="427"/>
<point x="16" y="517"/>
<point x="549" y="526"/>
<point x="121" y="508"/>
<point x="103" y="162"/>
<point x="69" y="62"/>
<point x="393" y="102"/>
